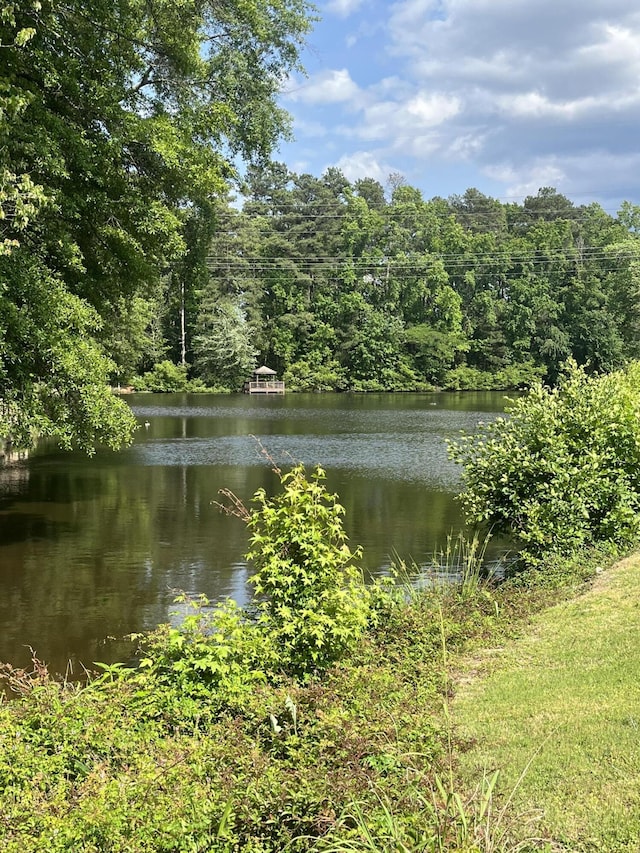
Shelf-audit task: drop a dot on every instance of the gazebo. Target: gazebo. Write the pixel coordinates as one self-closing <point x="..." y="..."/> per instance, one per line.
<point x="264" y="381"/>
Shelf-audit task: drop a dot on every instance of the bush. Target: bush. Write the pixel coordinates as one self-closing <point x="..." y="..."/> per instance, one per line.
<point x="167" y="376"/>
<point x="164" y="376"/>
<point x="464" y="378"/>
<point x="301" y="376"/>
<point x="217" y="654"/>
<point x="312" y="601"/>
<point x="312" y="606"/>
<point x="518" y="376"/>
<point x="563" y="469"/>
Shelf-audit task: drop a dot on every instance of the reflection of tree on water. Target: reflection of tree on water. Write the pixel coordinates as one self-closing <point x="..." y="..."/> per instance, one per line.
<point x="106" y="565"/>
<point x="14" y="477"/>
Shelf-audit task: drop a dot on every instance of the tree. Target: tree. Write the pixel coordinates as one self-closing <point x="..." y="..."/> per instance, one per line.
<point x="373" y="353"/>
<point x="132" y="334"/>
<point x="372" y="192"/>
<point x="122" y="121"/>
<point x="346" y="290"/>
<point x="549" y="205"/>
<point x="223" y="352"/>
<point x="478" y="212"/>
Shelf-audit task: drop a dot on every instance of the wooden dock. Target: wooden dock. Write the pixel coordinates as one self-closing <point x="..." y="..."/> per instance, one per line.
<point x="276" y="387"/>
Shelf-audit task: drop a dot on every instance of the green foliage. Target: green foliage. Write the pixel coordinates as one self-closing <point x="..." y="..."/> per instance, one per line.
<point x="346" y="290"/>
<point x="167" y="376"/>
<point x="20" y="200"/>
<point x="312" y="600"/>
<point x="312" y="605"/>
<point x="217" y="654"/>
<point x="445" y="820"/>
<point x="196" y="751"/>
<point x="303" y="376"/>
<point x="464" y="378"/>
<point x="131" y="335"/>
<point x="223" y="352"/>
<point x="562" y="471"/>
<point x="53" y="375"/>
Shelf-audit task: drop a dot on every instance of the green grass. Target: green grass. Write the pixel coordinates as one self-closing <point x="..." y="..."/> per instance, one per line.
<point x="364" y="756"/>
<point x="566" y="697"/>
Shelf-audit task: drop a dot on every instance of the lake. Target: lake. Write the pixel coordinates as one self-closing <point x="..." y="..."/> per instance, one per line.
<point x="92" y="549"/>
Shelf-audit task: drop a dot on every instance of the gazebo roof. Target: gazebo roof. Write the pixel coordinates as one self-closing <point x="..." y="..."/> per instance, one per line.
<point x="264" y="371"/>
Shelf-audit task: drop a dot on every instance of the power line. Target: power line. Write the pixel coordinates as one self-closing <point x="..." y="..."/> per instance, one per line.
<point x="403" y="274"/>
<point x="543" y="254"/>
<point x="300" y="210"/>
<point x="587" y="254"/>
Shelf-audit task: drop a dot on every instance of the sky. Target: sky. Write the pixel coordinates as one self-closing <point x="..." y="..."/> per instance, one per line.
<point x="506" y="96"/>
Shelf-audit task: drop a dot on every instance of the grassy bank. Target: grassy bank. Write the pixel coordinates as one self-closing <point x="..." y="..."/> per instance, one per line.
<point x="563" y="701"/>
<point x="363" y="757"/>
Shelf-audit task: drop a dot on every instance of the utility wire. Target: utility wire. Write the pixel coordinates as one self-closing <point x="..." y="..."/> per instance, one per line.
<point x="276" y="211"/>
<point x="589" y="252"/>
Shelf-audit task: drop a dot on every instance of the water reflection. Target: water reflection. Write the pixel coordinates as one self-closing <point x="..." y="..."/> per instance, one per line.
<point x="93" y="548"/>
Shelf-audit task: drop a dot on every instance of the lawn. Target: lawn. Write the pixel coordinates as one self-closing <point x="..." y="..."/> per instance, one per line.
<point x="557" y="712"/>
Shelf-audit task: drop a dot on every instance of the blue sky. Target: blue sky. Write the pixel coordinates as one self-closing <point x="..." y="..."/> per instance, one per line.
<point x="503" y="95"/>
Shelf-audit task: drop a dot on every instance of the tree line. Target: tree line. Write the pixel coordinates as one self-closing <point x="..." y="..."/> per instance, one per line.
<point x="354" y="286"/>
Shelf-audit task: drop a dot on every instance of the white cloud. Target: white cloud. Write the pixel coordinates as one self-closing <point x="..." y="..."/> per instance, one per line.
<point x="327" y="87"/>
<point x="537" y="86"/>
<point x="400" y="120"/>
<point x="534" y="105"/>
<point x="577" y="176"/>
<point x="538" y="174"/>
<point x="379" y="120"/>
<point x="364" y="164"/>
<point x="467" y="146"/>
<point x="300" y="166"/>
<point x="430" y="110"/>
<point x="311" y="128"/>
<point x="343" y="8"/>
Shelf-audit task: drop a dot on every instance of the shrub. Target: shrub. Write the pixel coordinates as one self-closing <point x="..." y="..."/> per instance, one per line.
<point x="518" y="376"/>
<point x="312" y="605"/>
<point x="302" y="376"/>
<point x="217" y="654"/>
<point x="563" y="469"/>
<point x="167" y="376"/>
<point x="312" y="600"/>
<point x="464" y="378"/>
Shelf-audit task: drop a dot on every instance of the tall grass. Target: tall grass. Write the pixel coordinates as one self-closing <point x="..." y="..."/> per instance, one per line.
<point x="462" y="565"/>
<point x="442" y="818"/>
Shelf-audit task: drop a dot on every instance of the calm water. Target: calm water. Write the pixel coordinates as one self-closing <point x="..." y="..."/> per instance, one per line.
<point x="93" y="549"/>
